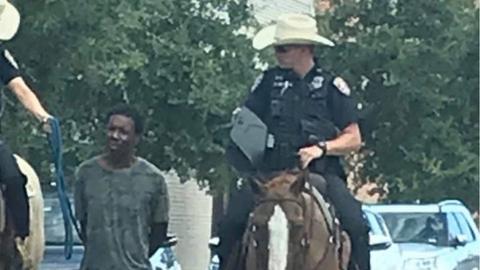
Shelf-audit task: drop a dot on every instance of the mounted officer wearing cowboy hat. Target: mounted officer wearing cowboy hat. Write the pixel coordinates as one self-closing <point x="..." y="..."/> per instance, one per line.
<point x="9" y="20"/>
<point x="249" y="133"/>
<point x="300" y="110"/>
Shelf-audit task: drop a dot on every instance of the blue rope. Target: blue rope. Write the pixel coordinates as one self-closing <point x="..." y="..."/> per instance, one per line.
<point x="55" y="141"/>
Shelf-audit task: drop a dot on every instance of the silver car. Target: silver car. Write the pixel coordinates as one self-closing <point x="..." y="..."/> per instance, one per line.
<point x="439" y="236"/>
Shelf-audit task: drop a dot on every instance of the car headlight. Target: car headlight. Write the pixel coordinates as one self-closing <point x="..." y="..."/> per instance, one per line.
<point x="420" y="264"/>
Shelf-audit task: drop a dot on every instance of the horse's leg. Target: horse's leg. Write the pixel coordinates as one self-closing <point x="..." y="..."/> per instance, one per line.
<point x="6" y="246"/>
<point x="345" y="250"/>
<point x="32" y="248"/>
<point x="9" y="256"/>
<point x="4" y="250"/>
<point x="3" y="221"/>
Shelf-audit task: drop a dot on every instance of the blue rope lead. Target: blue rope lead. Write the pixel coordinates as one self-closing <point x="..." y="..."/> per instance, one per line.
<point x="55" y="141"/>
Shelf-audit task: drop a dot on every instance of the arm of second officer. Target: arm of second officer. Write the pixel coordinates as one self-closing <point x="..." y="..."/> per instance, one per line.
<point x="161" y="209"/>
<point x="345" y="117"/>
<point x="28" y="99"/>
<point x="10" y="75"/>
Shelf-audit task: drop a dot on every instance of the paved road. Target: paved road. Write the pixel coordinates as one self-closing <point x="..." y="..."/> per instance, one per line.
<point x="55" y="260"/>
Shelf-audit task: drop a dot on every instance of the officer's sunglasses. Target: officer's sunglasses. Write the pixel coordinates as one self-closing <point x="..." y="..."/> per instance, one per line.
<point x="283" y="48"/>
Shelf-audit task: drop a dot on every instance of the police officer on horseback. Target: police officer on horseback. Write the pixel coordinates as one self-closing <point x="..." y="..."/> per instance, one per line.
<point x="296" y="111"/>
<point x="10" y="176"/>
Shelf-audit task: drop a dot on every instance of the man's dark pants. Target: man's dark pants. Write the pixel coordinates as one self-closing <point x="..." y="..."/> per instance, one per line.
<point x="348" y="210"/>
<point x="15" y="192"/>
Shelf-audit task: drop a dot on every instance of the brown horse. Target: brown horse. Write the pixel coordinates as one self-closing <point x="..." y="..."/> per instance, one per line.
<point x="288" y="230"/>
<point x="28" y="254"/>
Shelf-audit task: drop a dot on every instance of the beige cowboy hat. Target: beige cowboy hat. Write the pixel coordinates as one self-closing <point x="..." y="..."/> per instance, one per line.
<point x="9" y="20"/>
<point x="290" y="29"/>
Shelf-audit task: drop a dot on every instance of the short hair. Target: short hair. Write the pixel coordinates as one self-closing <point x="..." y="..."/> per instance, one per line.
<point x="130" y="112"/>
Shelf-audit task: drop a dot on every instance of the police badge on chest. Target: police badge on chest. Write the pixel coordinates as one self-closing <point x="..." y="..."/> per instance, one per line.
<point x="317" y="82"/>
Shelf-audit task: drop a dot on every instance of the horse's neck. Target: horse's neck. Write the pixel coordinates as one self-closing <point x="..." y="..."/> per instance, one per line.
<point x="319" y="235"/>
<point x="315" y="216"/>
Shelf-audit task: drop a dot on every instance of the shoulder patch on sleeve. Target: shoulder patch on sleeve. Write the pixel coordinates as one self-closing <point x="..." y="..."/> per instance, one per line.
<point x="342" y="86"/>
<point x="10" y="58"/>
<point x="257" y="82"/>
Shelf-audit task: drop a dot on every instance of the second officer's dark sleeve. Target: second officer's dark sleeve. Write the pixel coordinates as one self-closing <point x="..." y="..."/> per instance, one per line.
<point x="342" y="106"/>
<point x="8" y="71"/>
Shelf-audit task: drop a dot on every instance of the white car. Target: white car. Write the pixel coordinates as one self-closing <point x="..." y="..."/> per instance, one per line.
<point x="439" y="236"/>
<point x="384" y="254"/>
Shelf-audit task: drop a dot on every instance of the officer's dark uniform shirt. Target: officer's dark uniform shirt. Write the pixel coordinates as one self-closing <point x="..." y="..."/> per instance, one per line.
<point x="293" y="109"/>
<point x="8" y="66"/>
<point x="319" y="103"/>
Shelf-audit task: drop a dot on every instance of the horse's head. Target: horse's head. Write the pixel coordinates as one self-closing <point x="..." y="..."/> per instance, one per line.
<point x="278" y="226"/>
<point x="281" y="189"/>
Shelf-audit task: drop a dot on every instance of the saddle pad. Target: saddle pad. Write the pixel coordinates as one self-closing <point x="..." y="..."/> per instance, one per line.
<point x="325" y="207"/>
<point x="32" y="185"/>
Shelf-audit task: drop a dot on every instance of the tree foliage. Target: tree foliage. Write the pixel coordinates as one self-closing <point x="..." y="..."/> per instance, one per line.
<point x="183" y="63"/>
<point x="414" y="66"/>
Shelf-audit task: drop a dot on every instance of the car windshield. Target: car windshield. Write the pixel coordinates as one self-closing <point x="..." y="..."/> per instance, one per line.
<point x="54" y="228"/>
<point x="376" y="224"/>
<point x="427" y="228"/>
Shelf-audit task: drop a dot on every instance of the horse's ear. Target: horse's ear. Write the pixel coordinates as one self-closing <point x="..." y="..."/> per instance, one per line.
<point x="257" y="187"/>
<point x="299" y="185"/>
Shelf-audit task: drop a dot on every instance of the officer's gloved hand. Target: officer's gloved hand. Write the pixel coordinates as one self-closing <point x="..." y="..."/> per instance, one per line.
<point x="45" y="124"/>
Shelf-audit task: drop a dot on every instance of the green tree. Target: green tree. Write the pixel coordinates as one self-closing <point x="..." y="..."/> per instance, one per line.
<point x="182" y="63"/>
<point x="414" y="66"/>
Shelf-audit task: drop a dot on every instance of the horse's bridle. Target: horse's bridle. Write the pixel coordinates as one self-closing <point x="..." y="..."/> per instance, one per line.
<point x="281" y="201"/>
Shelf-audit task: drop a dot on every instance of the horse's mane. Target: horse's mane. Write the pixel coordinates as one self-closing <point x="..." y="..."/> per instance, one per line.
<point x="267" y="176"/>
<point x="278" y="179"/>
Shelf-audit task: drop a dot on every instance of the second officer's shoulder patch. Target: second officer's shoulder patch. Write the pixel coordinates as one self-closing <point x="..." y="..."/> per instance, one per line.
<point x="257" y="82"/>
<point x="342" y="86"/>
<point x="10" y="58"/>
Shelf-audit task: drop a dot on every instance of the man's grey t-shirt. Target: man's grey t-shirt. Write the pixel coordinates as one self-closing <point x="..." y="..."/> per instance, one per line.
<point x="119" y="208"/>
